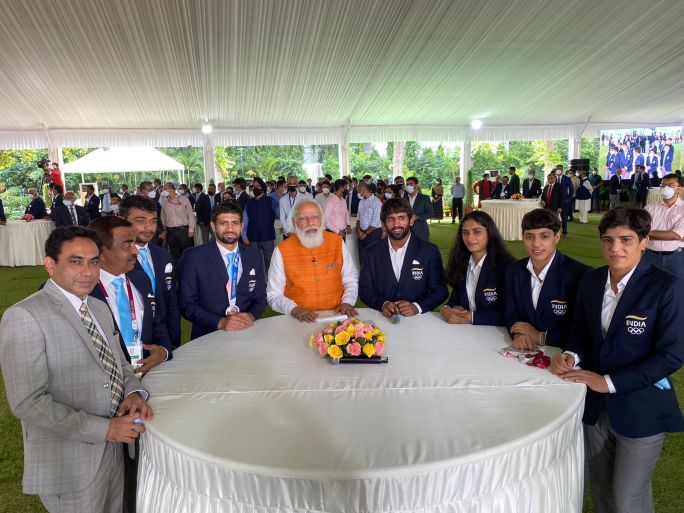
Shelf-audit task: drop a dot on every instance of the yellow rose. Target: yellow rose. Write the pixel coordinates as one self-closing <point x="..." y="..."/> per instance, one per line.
<point x="329" y="339"/>
<point x="351" y="330"/>
<point x="311" y="341"/>
<point x="377" y="331"/>
<point x="381" y="337"/>
<point x="368" y="350"/>
<point x="335" y="352"/>
<point x="342" y="338"/>
<point x="369" y="335"/>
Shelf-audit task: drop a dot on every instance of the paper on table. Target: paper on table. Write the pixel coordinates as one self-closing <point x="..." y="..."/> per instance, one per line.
<point x="329" y="316"/>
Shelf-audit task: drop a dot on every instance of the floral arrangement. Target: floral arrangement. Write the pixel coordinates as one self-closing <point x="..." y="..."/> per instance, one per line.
<point x="348" y="338"/>
<point x="27" y="217"/>
<point x="517" y="197"/>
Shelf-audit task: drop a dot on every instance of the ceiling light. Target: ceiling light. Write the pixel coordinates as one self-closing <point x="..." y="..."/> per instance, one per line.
<point x="206" y="129"/>
<point x="476" y="124"/>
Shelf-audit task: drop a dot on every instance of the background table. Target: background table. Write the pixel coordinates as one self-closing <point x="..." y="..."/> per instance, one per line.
<point x="256" y="421"/>
<point x="23" y="243"/>
<point x="508" y="214"/>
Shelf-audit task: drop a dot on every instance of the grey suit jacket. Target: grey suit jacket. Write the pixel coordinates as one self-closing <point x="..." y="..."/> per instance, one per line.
<point x="58" y="388"/>
<point x="422" y="209"/>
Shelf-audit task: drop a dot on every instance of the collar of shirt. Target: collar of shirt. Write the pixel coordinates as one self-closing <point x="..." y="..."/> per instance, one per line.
<point x="472" y="266"/>
<point x="138" y="302"/>
<point x="472" y="277"/>
<point x="107" y="278"/>
<point x="608" y="290"/>
<point x="397" y="256"/>
<point x="225" y="252"/>
<point x="75" y="301"/>
<point x="542" y="274"/>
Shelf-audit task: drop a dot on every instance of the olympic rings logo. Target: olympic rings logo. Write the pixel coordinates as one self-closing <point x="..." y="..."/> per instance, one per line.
<point x="635" y="331"/>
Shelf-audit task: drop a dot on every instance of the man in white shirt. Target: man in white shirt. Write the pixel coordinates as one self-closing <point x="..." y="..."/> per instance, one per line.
<point x="625" y="357"/>
<point x="665" y="247"/>
<point x="70" y="384"/>
<point x="368" y="223"/>
<point x="288" y="201"/>
<point x="312" y="270"/>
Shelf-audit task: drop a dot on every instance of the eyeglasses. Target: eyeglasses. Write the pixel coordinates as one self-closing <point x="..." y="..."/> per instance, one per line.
<point x="309" y="219"/>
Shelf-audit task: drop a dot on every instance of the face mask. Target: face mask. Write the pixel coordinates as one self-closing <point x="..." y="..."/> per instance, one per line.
<point x="410" y="189"/>
<point x="257" y="191"/>
<point x="389" y="195"/>
<point x="559" y="172"/>
<point x="105" y="191"/>
<point x="152" y="194"/>
<point x="576" y="174"/>
<point x="165" y="193"/>
<point x="32" y="196"/>
<point x="367" y="180"/>
<point x="302" y="188"/>
<point x="269" y="190"/>
<point x="115" y="208"/>
<point x="667" y="192"/>
<point x="68" y="203"/>
<point x="595" y="172"/>
<point x="292" y="188"/>
<point x="360" y="196"/>
<point x="530" y="177"/>
<point x="326" y="190"/>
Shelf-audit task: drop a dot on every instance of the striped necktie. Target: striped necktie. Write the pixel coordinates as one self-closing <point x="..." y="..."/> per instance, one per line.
<point x="106" y="357"/>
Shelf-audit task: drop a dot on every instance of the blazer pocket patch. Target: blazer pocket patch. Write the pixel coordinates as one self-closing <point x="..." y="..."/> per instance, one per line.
<point x="250" y="285"/>
<point x="490" y="295"/>
<point x="636" y="324"/>
<point x="417" y="273"/>
<point x="559" y="307"/>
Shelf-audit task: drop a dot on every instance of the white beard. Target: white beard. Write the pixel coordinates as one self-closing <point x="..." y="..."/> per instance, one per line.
<point x="310" y="240"/>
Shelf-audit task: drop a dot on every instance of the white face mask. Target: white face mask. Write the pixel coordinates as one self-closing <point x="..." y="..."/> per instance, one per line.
<point x="152" y="194"/>
<point x="360" y="196"/>
<point x="326" y="190"/>
<point x="530" y="177"/>
<point x="68" y="203"/>
<point x="269" y="190"/>
<point x="32" y="196"/>
<point x="302" y="188"/>
<point x="389" y="195"/>
<point x="115" y="208"/>
<point x="165" y="193"/>
<point x="105" y="191"/>
<point x="559" y="172"/>
<point x="410" y="189"/>
<point x="667" y="192"/>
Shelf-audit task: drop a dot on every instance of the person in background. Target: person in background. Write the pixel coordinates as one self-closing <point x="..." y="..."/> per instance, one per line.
<point x="368" y="224"/>
<point x="69" y="214"/>
<point x="458" y="193"/>
<point x="92" y="203"/>
<point x="351" y="197"/>
<point x="513" y="182"/>
<point x="154" y="261"/>
<point x="73" y="426"/>
<point x="179" y="222"/>
<point x="57" y="194"/>
<point x="437" y="194"/>
<point x="502" y="190"/>
<point x="399" y="187"/>
<point x="568" y="195"/>
<point x="229" y="196"/>
<point x="287" y="203"/>
<point x="574" y="178"/>
<point x="3" y="218"/>
<point x="106" y="199"/>
<point x="665" y="240"/>
<point x="324" y="194"/>
<point x="666" y="157"/>
<point x="652" y="162"/>
<point x="638" y="158"/>
<point x="414" y="283"/>
<point x="611" y="162"/>
<point x="258" y="222"/>
<point x="202" y="211"/>
<point x="595" y="180"/>
<point x="541" y="289"/>
<point x="421" y="206"/>
<point x="624" y="344"/>
<point x="309" y="187"/>
<point x="36" y="208"/>
<point x="531" y="188"/>
<point x="114" y="208"/>
<point x="240" y="188"/>
<point x="583" y="197"/>
<point x="476" y="272"/>
<point x="615" y="186"/>
<point x="655" y="179"/>
<point x="241" y="301"/>
<point x="312" y="270"/>
<point x="124" y="192"/>
<point x="483" y="188"/>
<point x="335" y="211"/>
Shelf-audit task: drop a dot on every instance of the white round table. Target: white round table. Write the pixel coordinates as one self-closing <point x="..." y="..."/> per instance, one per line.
<point x="508" y="214"/>
<point x="23" y="243"/>
<point x="256" y="421"/>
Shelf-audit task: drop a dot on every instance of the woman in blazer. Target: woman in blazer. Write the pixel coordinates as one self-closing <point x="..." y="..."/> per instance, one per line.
<point x="475" y="270"/>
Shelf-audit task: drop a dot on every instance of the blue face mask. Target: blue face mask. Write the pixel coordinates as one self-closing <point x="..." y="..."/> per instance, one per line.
<point x="68" y="203"/>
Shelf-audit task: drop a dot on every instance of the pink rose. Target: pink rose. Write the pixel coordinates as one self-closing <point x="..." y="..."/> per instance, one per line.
<point x="322" y="348"/>
<point x="328" y="331"/>
<point x="379" y="348"/>
<point x="354" y="349"/>
<point x="318" y="339"/>
<point x="358" y="331"/>
<point x="368" y="327"/>
<point x="339" y="329"/>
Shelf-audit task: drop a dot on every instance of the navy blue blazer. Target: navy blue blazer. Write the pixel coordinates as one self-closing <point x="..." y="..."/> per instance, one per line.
<point x="202" y="285"/>
<point x="556" y="300"/>
<point x="62" y="217"/>
<point x="153" y="327"/>
<point x="514" y="184"/>
<point x="531" y="192"/>
<point x="203" y="209"/>
<point x="652" y="164"/>
<point x="421" y="280"/>
<point x="490" y="294"/>
<point x="568" y="188"/>
<point x="93" y="207"/>
<point x="644" y="344"/>
<point x="2" y="212"/>
<point x="422" y="209"/>
<point x="37" y="208"/>
<point x="165" y="291"/>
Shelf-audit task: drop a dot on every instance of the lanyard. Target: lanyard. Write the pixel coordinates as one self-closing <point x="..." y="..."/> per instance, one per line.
<point x="231" y="284"/>
<point x="130" y="303"/>
<point x="292" y="200"/>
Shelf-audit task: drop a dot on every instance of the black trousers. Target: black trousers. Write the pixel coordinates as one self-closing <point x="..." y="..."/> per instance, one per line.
<point x="362" y="244"/>
<point x="456" y="204"/>
<point x="178" y="240"/>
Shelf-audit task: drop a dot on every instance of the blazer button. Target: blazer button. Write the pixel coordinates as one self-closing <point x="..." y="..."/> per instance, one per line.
<point x="106" y="385"/>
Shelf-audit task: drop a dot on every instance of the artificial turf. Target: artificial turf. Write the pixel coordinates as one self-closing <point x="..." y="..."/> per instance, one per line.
<point x="582" y="243"/>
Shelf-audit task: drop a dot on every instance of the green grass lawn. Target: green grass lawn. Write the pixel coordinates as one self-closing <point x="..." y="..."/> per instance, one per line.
<point x="582" y="243"/>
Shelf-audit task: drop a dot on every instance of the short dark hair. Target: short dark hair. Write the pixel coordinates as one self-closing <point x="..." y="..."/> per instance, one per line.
<point x="413" y="179"/>
<point x="144" y="184"/>
<point x="672" y="175"/>
<point x="58" y="188"/>
<point x="139" y="202"/>
<point x="540" y="218"/>
<point x="340" y="182"/>
<point x="58" y="236"/>
<point x="226" y="207"/>
<point x="198" y="186"/>
<point x="240" y="182"/>
<point x="395" y="206"/>
<point x="90" y="187"/>
<point x="636" y="219"/>
<point x="105" y="225"/>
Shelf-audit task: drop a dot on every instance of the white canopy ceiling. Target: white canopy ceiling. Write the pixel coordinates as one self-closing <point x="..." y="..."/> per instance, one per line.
<point x="102" y="72"/>
<point x="122" y="160"/>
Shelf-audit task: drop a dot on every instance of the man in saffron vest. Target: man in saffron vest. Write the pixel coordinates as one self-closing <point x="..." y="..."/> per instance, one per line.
<point x="312" y="270"/>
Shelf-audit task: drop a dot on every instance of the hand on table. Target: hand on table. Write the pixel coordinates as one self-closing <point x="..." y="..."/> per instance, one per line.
<point x="406" y="308"/>
<point x="525" y="328"/>
<point x="303" y="315"/>
<point x="524" y="343"/>
<point x="135" y="404"/>
<point x="457" y="315"/>
<point x="157" y="355"/>
<point x="236" y="322"/>
<point x="594" y="381"/>
<point x="562" y="363"/>
<point x="346" y="309"/>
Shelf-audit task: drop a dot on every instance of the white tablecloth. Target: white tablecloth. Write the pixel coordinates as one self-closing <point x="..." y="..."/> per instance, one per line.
<point x="23" y="243"/>
<point x="508" y="214"/>
<point x="257" y="422"/>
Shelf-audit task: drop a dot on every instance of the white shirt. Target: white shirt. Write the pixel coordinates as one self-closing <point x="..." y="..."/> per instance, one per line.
<point x="286" y="204"/>
<point x="397" y="259"/>
<point x="537" y="282"/>
<point x="472" y="277"/>
<point x="412" y="198"/>
<point x="107" y="278"/>
<point x="320" y="198"/>
<point x="275" y="291"/>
